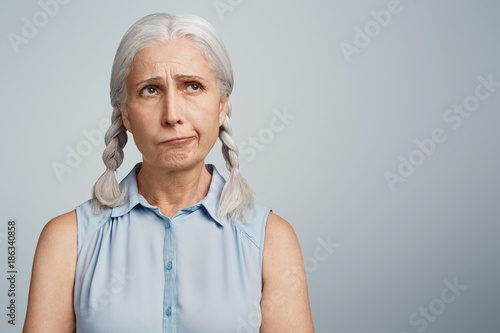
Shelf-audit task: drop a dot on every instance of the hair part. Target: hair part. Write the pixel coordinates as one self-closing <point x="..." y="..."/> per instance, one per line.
<point x="237" y="195"/>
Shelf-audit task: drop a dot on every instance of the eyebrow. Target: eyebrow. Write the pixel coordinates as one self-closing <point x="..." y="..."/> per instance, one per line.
<point x="176" y="77"/>
<point x="187" y="77"/>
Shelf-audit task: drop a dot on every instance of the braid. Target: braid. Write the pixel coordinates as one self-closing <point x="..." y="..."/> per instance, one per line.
<point x="229" y="147"/>
<point x="237" y="195"/>
<point x="106" y="191"/>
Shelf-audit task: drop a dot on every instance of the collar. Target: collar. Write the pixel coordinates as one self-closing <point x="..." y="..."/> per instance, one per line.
<point x="133" y="197"/>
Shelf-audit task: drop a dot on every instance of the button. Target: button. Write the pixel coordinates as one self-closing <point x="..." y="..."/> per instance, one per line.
<point x="169" y="311"/>
<point x="169" y="265"/>
<point x="167" y="224"/>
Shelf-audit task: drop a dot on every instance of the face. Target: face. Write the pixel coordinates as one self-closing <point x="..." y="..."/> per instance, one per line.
<point x="173" y="108"/>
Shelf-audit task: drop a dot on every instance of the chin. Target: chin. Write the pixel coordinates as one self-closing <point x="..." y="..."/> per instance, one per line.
<point x="179" y="161"/>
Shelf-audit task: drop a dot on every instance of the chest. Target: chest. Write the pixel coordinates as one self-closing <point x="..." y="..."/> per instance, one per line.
<point x="140" y="276"/>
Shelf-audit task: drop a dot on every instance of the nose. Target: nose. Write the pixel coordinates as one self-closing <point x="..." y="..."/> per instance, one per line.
<point x="172" y="112"/>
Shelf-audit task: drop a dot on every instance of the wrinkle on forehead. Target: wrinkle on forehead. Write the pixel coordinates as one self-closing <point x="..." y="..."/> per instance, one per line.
<point x="175" y="57"/>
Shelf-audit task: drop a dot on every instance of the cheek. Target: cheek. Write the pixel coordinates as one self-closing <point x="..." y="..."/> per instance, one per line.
<point x="207" y="127"/>
<point x="142" y="130"/>
<point x="142" y="121"/>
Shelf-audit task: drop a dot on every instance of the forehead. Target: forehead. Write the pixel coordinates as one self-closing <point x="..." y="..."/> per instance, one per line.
<point x="177" y="56"/>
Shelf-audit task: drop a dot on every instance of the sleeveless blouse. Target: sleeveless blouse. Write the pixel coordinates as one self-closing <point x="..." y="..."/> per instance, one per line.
<point x="140" y="271"/>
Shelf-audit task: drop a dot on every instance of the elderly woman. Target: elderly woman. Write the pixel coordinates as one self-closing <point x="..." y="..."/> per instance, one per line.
<point x="174" y="247"/>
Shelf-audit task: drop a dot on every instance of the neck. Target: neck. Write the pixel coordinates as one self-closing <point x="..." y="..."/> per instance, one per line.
<point x="172" y="190"/>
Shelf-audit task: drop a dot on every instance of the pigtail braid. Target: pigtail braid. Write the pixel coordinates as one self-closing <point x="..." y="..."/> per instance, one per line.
<point x="106" y="192"/>
<point x="237" y="195"/>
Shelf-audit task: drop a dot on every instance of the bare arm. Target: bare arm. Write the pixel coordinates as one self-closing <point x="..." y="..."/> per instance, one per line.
<point x="50" y="301"/>
<point x="285" y="300"/>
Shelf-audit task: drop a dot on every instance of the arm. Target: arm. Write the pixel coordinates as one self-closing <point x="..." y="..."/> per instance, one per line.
<point x="285" y="300"/>
<point x="50" y="300"/>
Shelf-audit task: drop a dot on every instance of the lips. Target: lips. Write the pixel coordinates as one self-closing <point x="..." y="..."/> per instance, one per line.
<point x="179" y="139"/>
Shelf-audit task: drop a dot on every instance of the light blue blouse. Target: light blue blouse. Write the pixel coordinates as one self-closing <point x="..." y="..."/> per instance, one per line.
<point x="140" y="271"/>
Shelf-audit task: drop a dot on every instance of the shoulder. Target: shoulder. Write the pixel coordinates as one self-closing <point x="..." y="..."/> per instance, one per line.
<point x="276" y="226"/>
<point x="59" y="234"/>
<point x="57" y="245"/>
<point x="50" y="297"/>
<point x="267" y="229"/>
<point x="285" y="300"/>
<point x="280" y="243"/>
<point x="62" y="225"/>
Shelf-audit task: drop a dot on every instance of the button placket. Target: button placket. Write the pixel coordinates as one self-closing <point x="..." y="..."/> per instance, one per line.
<point x="169" y="255"/>
<point x="170" y="287"/>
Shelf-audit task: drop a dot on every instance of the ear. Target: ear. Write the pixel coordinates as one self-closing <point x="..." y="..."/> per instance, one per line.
<point x="125" y="118"/>
<point x="223" y="109"/>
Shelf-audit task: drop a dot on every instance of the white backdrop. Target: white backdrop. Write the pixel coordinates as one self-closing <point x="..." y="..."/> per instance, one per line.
<point x="370" y="125"/>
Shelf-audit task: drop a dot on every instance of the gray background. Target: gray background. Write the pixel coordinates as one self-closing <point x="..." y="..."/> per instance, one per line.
<point x="323" y="172"/>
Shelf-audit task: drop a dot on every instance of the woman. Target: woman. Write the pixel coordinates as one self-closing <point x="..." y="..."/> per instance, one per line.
<point x="173" y="247"/>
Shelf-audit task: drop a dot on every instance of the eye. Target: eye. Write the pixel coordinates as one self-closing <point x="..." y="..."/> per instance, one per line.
<point x="149" y="91"/>
<point x="193" y="87"/>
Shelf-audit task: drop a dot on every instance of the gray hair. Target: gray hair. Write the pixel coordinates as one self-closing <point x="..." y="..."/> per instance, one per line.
<point x="237" y="196"/>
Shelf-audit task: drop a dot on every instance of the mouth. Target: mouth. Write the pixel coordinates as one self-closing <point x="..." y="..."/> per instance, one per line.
<point x="179" y="139"/>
